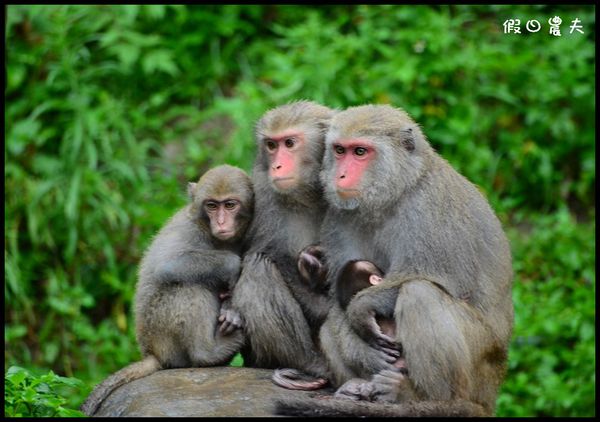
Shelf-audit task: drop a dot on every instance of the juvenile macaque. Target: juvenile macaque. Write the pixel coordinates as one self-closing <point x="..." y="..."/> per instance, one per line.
<point x="183" y="307"/>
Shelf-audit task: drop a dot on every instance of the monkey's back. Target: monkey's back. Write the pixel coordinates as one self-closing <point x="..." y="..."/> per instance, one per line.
<point x="177" y="236"/>
<point x="445" y="227"/>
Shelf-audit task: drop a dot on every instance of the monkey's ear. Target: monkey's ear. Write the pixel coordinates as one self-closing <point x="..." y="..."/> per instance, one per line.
<point x="191" y="187"/>
<point x="408" y="140"/>
<point x="375" y="279"/>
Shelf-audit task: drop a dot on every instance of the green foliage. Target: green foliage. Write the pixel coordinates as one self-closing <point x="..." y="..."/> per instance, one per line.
<point x="38" y="396"/>
<point x="552" y="360"/>
<point x="111" y="110"/>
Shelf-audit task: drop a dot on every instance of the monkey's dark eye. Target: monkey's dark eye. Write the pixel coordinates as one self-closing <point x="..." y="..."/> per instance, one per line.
<point x="230" y="205"/>
<point x="289" y="142"/>
<point x="210" y="206"/>
<point x="271" y="145"/>
<point x="339" y="149"/>
<point x="360" y="151"/>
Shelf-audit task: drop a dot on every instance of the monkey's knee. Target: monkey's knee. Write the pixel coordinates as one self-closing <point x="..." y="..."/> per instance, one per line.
<point x="217" y="352"/>
<point x="432" y="331"/>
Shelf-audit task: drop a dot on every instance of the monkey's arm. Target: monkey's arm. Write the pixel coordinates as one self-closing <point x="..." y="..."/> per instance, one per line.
<point x="278" y="333"/>
<point x="213" y="268"/>
<point x="349" y="355"/>
<point x="365" y="307"/>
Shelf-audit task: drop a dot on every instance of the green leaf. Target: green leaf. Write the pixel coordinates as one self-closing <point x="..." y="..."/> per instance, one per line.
<point x="159" y="61"/>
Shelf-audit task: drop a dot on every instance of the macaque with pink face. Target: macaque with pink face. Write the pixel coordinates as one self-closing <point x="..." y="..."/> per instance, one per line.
<point x="282" y="313"/>
<point x="394" y="202"/>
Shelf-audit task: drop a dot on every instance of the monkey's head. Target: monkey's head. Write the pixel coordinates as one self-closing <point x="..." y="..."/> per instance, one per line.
<point x="373" y="153"/>
<point x="355" y="276"/>
<point x="290" y="142"/>
<point x="223" y="201"/>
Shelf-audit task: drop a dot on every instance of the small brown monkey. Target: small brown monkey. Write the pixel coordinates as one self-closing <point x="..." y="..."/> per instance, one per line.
<point x="183" y="310"/>
<point x="355" y="276"/>
<point x="395" y="202"/>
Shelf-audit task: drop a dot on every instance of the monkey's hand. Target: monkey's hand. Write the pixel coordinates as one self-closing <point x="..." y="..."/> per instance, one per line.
<point x="355" y="389"/>
<point x="387" y="384"/>
<point x="370" y="331"/>
<point x="229" y="319"/>
<point x="312" y="268"/>
<point x="363" y="311"/>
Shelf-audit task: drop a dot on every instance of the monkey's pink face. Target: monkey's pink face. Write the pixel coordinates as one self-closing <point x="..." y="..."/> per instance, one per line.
<point x="285" y="151"/>
<point x="223" y="217"/>
<point x="352" y="158"/>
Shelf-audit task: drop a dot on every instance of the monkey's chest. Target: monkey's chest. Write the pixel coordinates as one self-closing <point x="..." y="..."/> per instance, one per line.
<point x="300" y="231"/>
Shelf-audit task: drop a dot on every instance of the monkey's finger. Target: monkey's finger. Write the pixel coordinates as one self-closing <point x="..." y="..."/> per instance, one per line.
<point x="385" y="340"/>
<point x="384" y="345"/>
<point x="390" y="351"/>
<point x="387" y="358"/>
<point x="353" y="390"/>
<point x="227" y="331"/>
<point x="227" y="327"/>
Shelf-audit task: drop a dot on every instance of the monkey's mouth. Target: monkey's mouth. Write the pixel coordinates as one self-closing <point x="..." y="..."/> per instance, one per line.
<point x="284" y="182"/>
<point x="224" y="234"/>
<point x="348" y="193"/>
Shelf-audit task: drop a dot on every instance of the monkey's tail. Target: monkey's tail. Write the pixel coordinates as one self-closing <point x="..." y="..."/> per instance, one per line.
<point x="145" y="367"/>
<point x="329" y="406"/>
<point x="293" y="379"/>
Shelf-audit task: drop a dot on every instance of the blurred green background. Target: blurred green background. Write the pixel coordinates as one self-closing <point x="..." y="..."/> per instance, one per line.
<point x="110" y="110"/>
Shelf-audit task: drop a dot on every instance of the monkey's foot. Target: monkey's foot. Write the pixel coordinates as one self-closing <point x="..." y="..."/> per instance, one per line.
<point x="355" y="389"/>
<point x="387" y="383"/>
<point x="292" y="379"/>
<point x="229" y="320"/>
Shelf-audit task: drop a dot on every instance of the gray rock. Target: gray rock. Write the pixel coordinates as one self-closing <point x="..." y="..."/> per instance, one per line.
<point x="218" y="391"/>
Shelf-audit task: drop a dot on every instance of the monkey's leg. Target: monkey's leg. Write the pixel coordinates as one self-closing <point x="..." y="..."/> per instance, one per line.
<point x="158" y="327"/>
<point x="199" y="328"/>
<point x="277" y="331"/>
<point x="443" y="340"/>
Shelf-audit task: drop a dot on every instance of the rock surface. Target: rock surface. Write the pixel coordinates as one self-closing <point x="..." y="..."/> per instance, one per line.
<point x="218" y="391"/>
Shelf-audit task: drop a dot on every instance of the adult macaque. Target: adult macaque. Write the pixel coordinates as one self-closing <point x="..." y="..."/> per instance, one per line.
<point x="183" y="312"/>
<point x="447" y="265"/>
<point x="282" y="313"/>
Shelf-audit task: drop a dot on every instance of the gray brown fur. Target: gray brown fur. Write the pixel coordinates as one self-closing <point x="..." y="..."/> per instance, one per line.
<point x="181" y="275"/>
<point x="447" y="263"/>
<point x="281" y="313"/>
<point x="332" y="407"/>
